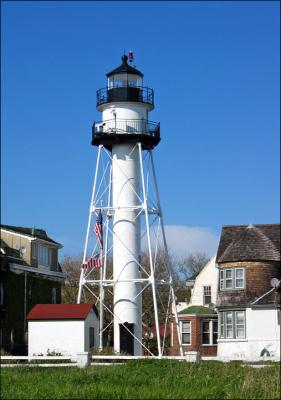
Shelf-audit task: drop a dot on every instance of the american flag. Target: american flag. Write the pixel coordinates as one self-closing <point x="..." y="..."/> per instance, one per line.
<point x="93" y="262"/>
<point x="98" y="229"/>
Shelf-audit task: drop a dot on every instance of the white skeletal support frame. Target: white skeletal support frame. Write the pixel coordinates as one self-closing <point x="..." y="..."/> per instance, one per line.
<point x="125" y="191"/>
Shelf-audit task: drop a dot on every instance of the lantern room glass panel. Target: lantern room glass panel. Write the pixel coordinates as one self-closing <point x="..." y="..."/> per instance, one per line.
<point x="124" y="80"/>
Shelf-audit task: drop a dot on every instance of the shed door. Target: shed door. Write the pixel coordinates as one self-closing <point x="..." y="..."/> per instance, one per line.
<point x="126" y="339"/>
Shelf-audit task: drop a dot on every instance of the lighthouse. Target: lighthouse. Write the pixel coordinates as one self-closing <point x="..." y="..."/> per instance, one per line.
<point x="122" y="208"/>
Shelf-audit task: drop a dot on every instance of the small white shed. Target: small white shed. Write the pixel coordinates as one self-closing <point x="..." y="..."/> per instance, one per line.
<point x="67" y="329"/>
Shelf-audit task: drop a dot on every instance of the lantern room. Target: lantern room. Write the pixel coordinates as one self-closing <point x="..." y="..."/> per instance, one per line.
<point x="125" y="83"/>
<point x="125" y="105"/>
<point x="124" y="76"/>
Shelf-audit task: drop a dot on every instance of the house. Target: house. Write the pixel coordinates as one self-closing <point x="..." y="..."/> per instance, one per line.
<point x="198" y="322"/>
<point x="31" y="274"/>
<point x="64" y="329"/>
<point x="248" y="299"/>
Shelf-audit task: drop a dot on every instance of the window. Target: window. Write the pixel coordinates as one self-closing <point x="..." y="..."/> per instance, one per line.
<point x="44" y="255"/>
<point x="232" y="278"/>
<point x="221" y="279"/>
<point x="239" y="278"/>
<point x="91" y="337"/>
<point x="229" y="324"/>
<point x="228" y="279"/>
<point x="239" y="324"/>
<point x="232" y="324"/>
<point x="186" y="332"/>
<point x="209" y="330"/>
<point x="54" y="295"/>
<point x="206" y="295"/>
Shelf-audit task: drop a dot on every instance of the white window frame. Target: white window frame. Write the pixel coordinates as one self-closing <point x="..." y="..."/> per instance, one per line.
<point x="229" y="325"/>
<point x="228" y="279"/>
<point x="233" y="279"/>
<point x="211" y="331"/>
<point x="182" y="332"/>
<point x="221" y="279"/>
<point x="208" y="288"/>
<point x="234" y="324"/>
<point x="239" y="325"/>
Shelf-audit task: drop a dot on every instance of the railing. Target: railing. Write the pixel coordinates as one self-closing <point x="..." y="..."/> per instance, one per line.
<point x="129" y="93"/>
<point x="126" y="126"/>
<point x="34" y="361"/>
<point x="85" y="359"/>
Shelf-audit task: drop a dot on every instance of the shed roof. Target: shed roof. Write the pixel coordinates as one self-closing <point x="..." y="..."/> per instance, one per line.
<point x="249" y="242"/>
<point x="60" y="311"/>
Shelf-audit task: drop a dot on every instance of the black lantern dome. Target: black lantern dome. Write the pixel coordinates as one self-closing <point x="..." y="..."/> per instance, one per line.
<point x="125" y="68"/>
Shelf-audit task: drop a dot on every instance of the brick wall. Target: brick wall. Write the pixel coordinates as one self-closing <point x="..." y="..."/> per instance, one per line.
<point x="196" y="340"/>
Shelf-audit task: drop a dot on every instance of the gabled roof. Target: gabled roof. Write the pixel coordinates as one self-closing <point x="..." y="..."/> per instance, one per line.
<point x="60" y="311"/>
<point x="32" y="232"/>
<point x="197" y="310"/>
<point x="124" y="68"/>
<point x="249" y="242"/>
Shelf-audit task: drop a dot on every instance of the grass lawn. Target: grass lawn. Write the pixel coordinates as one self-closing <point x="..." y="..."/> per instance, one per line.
<point x="143" y="379"/>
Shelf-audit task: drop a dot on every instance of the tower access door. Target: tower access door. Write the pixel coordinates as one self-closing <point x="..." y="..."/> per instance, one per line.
<point x="127" y="338"/>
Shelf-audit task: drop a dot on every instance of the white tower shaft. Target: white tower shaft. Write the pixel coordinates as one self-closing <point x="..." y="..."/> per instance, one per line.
<point x="126" y="243"/>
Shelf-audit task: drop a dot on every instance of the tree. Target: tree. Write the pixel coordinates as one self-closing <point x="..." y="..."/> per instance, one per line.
<point x="188" y="268"/>
<point x="71" y="265"/>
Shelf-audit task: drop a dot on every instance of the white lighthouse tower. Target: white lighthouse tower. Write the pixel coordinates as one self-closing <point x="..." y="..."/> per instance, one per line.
<point x="125" y="201"/>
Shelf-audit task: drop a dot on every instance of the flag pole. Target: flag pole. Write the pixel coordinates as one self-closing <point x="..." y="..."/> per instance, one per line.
<point x="101" y="289"/>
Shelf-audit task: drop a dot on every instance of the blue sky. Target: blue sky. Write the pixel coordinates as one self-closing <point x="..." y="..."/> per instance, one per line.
<point x="215" y="69"/>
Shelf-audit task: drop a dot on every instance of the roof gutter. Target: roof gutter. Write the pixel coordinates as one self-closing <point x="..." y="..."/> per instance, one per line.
<point x="53" y="274"/>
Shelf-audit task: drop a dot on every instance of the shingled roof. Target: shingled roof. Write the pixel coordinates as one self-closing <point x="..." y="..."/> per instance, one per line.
<point x="33" y="232"/>
<point x="249" y="242"/>
<point x="60" y="311"/>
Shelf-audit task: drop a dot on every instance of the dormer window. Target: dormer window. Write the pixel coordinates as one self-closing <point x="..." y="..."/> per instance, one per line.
<point x="232" y="278"/>
<point x="43" y="254"/>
